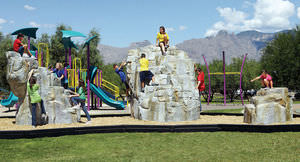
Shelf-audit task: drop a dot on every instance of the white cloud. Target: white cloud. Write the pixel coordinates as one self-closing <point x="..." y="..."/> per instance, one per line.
<point x="30" y="8"/>
<point x="268" y="16"/>
<point x="232" y="15"/>
<point x="11" y="21"/>
<point x="170" y="29"/>
<point x="34" y="24"/>
<point x="298" y="12"/>
<point x="49" y="25"/>
<point x="2" y="21"/>
<point x="182" y="27"/>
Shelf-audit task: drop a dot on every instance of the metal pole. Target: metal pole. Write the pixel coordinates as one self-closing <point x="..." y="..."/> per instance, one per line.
<point x="224" y="78"/>
<point x="207" y="68"/>
<point x="28" y="46"/>
<point x="98" y="86"/>
<point x="70" y="58"/>
<point x="66" y="56"/>
<point x="88" y="76"/>
<point x="101" y="87"/>
<point x="241" y="75"/>
<point x="42" y="58"/>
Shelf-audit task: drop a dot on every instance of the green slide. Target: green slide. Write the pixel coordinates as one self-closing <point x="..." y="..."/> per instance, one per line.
<point x="98" y="91"/>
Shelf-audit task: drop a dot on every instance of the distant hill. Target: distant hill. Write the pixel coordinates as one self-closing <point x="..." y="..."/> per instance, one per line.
<point x="234" y="45"/>
<point x="115" y="54"/>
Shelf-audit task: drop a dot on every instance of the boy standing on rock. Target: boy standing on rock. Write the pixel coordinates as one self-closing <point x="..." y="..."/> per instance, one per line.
<point x="145" y="74"/>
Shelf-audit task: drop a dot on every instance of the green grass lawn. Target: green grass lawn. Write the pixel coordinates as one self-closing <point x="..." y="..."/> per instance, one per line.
<point x="296" y="102"/>
<point x="236" y="111"/>
<point x="217" y="146"/>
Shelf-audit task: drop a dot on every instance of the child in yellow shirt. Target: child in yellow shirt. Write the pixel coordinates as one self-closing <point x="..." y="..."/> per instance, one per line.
<point x="145" y="74"/>
<point x="162" y="40"/>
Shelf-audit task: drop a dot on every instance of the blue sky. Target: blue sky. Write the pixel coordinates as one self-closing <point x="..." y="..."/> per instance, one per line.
<point x="121" y="22"/>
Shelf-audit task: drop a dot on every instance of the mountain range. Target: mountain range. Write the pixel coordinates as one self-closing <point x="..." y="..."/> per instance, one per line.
<point x="234" y="45"/>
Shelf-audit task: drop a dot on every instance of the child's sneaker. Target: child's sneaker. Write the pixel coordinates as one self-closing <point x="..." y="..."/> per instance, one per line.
<point x="88" y="122"/>
<point x="153" y="84"/>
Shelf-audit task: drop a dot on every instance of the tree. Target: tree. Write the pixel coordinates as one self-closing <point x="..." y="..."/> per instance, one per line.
<point x="281" y="58"/>
<point x="6" y="44"/>
<point x="57" y="50"/>
<point x="95" y="57"/>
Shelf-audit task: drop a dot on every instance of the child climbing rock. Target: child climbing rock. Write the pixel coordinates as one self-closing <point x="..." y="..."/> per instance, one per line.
<point x="145" y="74"/>
<point x="60" y="72"/>
<point x="79" y="97"/>
<point x="200" y="83"/>
<point x="35" y="98"/>
<point x="19" y="47"/>
<point x="120" y="72"/>
<point x="162" y="40"/>
<point x="266" y="79"/>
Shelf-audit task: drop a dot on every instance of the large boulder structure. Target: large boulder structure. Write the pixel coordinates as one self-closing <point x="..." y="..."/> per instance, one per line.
<point x="55" y="97"/>
<point x="175" y="98"/>
<point x="269" y="106"/>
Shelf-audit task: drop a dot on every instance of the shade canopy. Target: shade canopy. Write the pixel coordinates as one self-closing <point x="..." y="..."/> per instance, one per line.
<point x="68" y="43"/>
<point x="30" y="32"/>
<point x="89" y="40"/>
<point x="69" y="33"/>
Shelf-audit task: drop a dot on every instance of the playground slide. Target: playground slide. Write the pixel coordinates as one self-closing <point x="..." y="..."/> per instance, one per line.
<point x="105" y="98"/>
<point x="101" y="94"/>
<point x="10" y="101"/>
<point x="108" y="94"/>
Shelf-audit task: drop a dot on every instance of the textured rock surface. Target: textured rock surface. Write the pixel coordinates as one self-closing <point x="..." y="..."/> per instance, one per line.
<point x="175" y="98"/>
<point x="17" y="69"/>
<point x="269" y="106"/>
<point x="55" y="98"/>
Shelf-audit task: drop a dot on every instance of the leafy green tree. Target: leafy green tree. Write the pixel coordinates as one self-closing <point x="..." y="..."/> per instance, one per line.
<point x="57" y="50"/>
<point x="281" y="58"/>
<point x="95" y="56"/>
<point x="6" y="44"/>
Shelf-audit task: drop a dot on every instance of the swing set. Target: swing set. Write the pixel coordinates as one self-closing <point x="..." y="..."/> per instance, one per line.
<point x="224" y="87"/>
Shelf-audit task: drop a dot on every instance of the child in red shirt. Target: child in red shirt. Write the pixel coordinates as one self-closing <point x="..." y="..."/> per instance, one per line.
<point x="266" y="79"/>
<point x="19" y="47"/>
<point x="200" y="83"/>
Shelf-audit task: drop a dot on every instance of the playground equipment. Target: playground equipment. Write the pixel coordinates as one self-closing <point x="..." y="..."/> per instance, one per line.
<point x="101" y="94"/>
<point x="41" y="54"/>
<point x="30" y="32"/>
<point x="10" y="101"/>
<point x="77" y="73"/>
<point x="232" y="90"/>
<point x="68" y="44"/>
